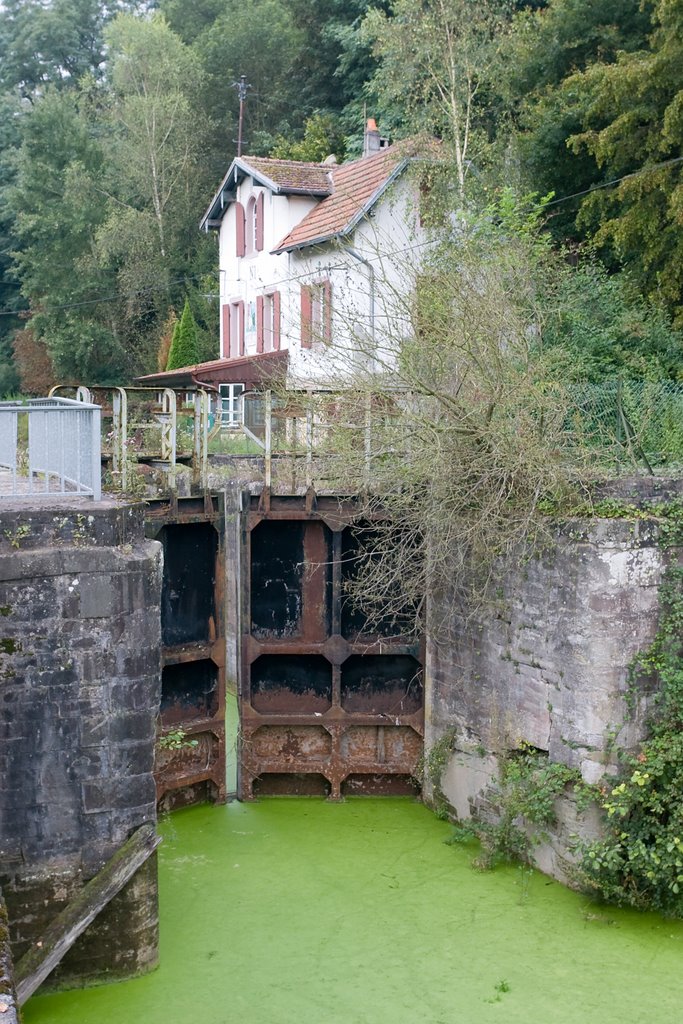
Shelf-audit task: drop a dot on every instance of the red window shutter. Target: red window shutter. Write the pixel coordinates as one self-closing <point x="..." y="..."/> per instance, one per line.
<point x="225" y="340"/>
<point x="240" y="310"/>
<point x="259" y="323"/>
<point x="327" y="311"/>
<point x="259" y="222"/>
<point x="306" y="317"/>
<point x="240" y="234"/>
<point x="276" y="321"/>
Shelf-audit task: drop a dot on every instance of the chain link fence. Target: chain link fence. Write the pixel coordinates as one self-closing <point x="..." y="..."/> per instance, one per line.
<point x="630" y="423"/>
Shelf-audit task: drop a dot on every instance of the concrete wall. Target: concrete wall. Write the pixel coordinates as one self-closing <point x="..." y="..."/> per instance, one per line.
<point x="547" y="665"/>
<point x="80" y="682"/>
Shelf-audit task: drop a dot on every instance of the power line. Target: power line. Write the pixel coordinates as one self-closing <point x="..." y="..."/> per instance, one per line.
<point x="614" y="181"/>
<point x="103" y="298"/>
<point x="340" y="266"/>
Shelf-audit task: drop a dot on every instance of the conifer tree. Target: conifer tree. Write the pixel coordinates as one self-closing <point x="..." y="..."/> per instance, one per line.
<point x="184" y="348"/>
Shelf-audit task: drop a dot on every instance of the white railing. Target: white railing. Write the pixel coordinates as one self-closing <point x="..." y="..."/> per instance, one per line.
<point x="50" y="446"/>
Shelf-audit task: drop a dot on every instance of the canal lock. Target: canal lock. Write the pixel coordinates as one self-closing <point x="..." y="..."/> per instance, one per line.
<point x="260" y="613"/>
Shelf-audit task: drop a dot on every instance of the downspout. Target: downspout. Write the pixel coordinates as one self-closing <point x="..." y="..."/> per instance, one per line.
<point x="371" y="278"/>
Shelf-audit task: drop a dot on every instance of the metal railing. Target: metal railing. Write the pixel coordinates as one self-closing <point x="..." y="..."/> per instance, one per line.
<point x="50" y="446"/>
<point x="161" y="426"/>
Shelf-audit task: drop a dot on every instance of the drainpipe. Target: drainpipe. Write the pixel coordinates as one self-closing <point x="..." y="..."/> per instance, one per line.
<point x="371" y="279"/>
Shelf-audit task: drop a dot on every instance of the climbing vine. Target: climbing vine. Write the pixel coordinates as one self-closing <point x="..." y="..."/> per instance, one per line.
<point x="524" y="799"/>
<point x="431" y="768"/>
<point x="639" y="861"/>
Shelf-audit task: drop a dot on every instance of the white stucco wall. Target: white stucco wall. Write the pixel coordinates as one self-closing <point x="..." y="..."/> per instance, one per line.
<point x="390" y="240"/>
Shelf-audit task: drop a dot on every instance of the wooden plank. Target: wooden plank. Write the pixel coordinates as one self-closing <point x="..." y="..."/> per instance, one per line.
<point x="34" y="967"/>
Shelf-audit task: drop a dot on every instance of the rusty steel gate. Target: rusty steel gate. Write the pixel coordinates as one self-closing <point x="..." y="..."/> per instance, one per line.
<point x="325" y="709"/>
<point x="191" y="767"/>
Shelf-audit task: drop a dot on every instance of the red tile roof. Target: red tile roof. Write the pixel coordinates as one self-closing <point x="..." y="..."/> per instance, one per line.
<point x="250" y="370"/>
<point x="355" y="187"/>
<point x="293" y="176"/>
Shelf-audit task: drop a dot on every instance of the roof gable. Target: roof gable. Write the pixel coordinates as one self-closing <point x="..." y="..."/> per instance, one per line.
<point x="356" y="187"/>
<point x="283" y="177"/>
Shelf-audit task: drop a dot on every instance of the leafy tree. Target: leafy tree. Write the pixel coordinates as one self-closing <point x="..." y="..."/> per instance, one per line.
<point x="57" y="214"/>
<point x="609" y="329"/>
<point x="321" y="138"/>
<point x="108" y="246"/>
<point x="54" y="43"/>
<point x="184" y="350"/>
<point x="543" y="108"/>
<point x="11" y="301"/>
<point x="156" y="149"/>
<point x="434" y="56"/>
<point x="260" y="39"/>
<point x="634" y="123"/>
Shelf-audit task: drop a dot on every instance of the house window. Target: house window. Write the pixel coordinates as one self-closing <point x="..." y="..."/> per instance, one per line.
<point x="268" y="322"/>
<point x="240" y="230"/>
<point x="250" y="248"/>
<point x="316" y="313"/>
<point x="233" y="330"/>
<point x="230" y="405"/>
<point x="253" y="230"/>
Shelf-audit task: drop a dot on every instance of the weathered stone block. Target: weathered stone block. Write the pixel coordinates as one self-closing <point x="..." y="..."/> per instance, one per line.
<point x="549" y="665"/>
<point x="79" y="648"/>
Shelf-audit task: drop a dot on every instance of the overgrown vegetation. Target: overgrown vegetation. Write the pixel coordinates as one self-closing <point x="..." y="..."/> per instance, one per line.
<point x="523" y="801"/>
<point x="466" y="419"/>
<point x="546" y="96"/>
<point x="640" y="860"/>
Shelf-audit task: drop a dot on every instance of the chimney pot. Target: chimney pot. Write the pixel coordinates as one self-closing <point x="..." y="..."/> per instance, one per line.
<point x="372" y="142"/>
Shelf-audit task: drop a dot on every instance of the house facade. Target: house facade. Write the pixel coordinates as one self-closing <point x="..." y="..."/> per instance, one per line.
<point x="316" y="265"/>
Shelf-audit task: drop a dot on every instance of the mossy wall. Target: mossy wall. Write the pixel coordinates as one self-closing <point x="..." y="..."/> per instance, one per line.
<point x="80" y="677"/>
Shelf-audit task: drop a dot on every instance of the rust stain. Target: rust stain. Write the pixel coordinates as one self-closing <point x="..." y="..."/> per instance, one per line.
<point x="193" y="679"/>
<point x="321" y="713"/>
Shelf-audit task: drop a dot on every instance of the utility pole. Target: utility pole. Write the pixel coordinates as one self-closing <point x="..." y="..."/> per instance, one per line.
<point x="242" y="87"/>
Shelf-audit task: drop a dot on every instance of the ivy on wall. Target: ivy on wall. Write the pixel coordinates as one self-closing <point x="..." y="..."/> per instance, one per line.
<point x="639" y="862"/>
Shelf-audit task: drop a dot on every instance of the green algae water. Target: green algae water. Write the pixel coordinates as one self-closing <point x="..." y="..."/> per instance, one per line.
<point x="304" y="912"/>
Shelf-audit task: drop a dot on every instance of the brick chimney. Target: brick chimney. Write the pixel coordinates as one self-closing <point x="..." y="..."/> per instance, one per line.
<point x="373" y="141"/>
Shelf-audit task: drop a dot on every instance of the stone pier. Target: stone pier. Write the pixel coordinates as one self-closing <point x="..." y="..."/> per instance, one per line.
<point x="79" y="697"/>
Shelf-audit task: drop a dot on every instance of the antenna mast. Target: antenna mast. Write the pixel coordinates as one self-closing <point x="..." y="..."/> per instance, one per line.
<point x="242" y="88"/>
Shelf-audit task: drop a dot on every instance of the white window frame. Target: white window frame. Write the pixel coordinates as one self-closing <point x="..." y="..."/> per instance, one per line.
<point x="231" y="405"/>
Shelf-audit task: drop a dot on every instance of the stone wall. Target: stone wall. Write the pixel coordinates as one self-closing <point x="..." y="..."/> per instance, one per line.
<point x="80" y="685"/>
<point x="8" y="996"/>
<point x="547" y="665"/>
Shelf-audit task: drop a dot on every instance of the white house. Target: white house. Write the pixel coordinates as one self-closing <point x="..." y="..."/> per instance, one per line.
<point x="314" y="263"/>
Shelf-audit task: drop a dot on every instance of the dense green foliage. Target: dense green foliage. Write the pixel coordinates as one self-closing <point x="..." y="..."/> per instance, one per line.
<point x="118" y="119"/>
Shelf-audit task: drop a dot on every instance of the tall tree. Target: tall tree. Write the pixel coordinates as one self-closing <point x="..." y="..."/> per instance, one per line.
<point x="109" y="182"/>
<point x="184" y="347"/>
<point x="542" y="51"/>
<point x="435" y="56"/>
<point x="57" y="216"/>
<point x="53" y="43"/>
<point x="634" y="130"/>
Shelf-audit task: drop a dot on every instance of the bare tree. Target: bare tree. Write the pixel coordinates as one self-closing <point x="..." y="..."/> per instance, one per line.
<point x="455" y="427"/>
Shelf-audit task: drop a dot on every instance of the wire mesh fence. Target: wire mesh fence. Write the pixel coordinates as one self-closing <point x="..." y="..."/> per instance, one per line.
<point x="617" y="426"/>
<point x="630" y="423"/>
